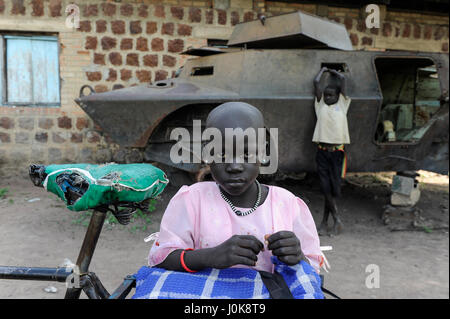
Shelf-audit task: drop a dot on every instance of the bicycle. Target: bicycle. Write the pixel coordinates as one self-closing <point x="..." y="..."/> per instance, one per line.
<point x="78" y="278"/>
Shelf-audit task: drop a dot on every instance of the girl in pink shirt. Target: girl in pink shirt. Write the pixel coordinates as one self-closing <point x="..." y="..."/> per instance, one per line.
<point x="235" y="221"/>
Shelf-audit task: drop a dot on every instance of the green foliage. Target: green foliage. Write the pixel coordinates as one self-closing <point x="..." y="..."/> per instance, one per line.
<point x="427" y="229"/>
<point x="83" y="218"/>
<point x="139" y="221"/>
<point x="3" y="192"/>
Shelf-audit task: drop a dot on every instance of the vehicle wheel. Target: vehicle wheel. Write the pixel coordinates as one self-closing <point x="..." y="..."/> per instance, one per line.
<point x="203" y="174"/>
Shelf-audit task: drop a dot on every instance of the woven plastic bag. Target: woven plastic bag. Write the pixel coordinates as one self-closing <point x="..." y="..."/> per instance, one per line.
<point x="229" y="283"/>
<point x="86" y="186"/>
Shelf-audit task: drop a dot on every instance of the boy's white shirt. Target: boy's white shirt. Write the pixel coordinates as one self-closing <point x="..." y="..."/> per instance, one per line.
<point x="331" y="126"/>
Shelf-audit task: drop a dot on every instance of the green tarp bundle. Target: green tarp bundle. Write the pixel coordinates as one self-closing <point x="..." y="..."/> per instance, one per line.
<point x="85" y="186"/>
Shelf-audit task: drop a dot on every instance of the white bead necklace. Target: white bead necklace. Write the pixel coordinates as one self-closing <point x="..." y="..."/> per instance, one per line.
<point x="251" y="210"/>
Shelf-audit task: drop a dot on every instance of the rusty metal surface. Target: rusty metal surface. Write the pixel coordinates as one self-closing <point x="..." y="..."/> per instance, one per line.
<point x="129" y="115"/>
<point x="291" y="31"/>
<point x="280" y="84"/>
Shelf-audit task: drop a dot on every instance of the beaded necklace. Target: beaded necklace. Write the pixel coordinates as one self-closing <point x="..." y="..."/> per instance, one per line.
<point x="251" y="210"/>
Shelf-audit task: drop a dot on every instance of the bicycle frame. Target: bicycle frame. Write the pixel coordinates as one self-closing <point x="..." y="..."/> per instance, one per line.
<point x="88" y="281"/>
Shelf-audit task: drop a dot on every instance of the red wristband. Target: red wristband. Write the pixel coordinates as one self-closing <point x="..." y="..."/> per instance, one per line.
<point x="182" y="261"/>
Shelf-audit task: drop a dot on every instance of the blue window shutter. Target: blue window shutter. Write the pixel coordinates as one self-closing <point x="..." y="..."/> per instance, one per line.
<point x="2" y="60"/>
<point x="45" y="71"/>
<point x="18" y="64"/>
<point x="32" y="70"/>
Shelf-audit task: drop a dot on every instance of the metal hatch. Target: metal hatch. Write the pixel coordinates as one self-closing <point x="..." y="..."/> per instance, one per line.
<point x="207" y="51"/>
<point x="294" y="30"/>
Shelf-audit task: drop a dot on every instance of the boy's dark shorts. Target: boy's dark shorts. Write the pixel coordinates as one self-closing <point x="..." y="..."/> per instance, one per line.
<point x="329" y="168"/>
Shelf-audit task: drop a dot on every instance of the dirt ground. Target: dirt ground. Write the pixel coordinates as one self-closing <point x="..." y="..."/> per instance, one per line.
<point x="37" y="230"/>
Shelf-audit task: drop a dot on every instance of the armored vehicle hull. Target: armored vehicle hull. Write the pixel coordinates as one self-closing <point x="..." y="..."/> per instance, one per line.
<point x="406" y="91"/>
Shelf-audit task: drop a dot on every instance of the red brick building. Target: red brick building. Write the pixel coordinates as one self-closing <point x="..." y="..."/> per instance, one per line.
<point x="129" y="42"/>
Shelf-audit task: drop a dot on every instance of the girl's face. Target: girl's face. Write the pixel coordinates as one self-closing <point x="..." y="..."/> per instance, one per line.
<point x="234" y="176"/>
<point x="235" y="173"/>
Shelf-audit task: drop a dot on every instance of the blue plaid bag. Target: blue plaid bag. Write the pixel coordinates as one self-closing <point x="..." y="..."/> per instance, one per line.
<point x="230" y="283"/>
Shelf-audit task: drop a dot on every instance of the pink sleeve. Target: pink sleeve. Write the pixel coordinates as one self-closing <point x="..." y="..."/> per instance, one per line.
<point x="305" y="229"/>
<point x="176" y="229"/>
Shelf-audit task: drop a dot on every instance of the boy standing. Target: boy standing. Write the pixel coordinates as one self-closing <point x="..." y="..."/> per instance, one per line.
<point x="330" y="134"/>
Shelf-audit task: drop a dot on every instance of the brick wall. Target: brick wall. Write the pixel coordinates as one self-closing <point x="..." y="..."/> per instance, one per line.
<point x="125" y="43"/>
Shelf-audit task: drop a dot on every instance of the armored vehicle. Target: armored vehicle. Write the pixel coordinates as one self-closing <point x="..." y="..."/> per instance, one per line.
<point x="398" y="117"/>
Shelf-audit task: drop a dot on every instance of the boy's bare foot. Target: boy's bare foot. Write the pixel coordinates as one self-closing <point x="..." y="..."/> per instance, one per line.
<point x="323" y="229"/>
<point x="337" y="228"/>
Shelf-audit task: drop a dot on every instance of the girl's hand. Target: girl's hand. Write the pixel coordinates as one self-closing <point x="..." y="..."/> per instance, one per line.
<point x="286" y="246"/>
<point x="239" y="249"/>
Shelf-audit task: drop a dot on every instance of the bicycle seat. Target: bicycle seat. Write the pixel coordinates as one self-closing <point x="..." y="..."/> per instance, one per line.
<point x="86" y="186"/>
